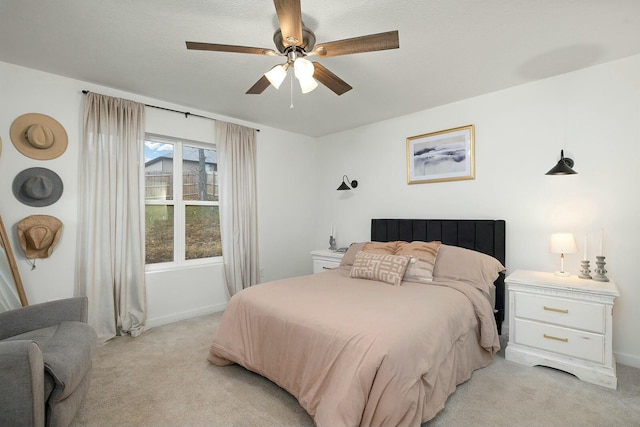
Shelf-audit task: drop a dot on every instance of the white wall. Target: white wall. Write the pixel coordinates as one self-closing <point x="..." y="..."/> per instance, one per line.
<point x="285" y="213"/>
<point x="594" y="114"/>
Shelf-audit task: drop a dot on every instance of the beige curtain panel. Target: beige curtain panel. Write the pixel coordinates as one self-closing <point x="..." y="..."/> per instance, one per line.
<point x="238" y="204"/>
<point x="110" y="251"/>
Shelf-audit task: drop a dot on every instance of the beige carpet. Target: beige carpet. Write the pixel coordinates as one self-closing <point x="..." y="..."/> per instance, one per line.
<point x="163" y="379"/>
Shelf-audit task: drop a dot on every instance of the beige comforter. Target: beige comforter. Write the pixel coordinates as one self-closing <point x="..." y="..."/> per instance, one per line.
<point x="359" y="352"/>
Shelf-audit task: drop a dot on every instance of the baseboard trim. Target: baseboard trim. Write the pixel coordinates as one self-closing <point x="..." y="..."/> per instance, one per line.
<point x="176" y="317"/>
<point x="628" y="360"/>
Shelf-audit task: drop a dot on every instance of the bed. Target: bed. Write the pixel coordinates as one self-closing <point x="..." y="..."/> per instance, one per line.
<point x="376" y="351"/>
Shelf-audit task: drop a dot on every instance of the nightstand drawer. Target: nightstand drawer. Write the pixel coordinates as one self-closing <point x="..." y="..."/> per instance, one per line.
<point x="563" y="312"/>
<point x="580" y="344"/>
<point x="325" y="259"/>
<point x="320" y="265"/>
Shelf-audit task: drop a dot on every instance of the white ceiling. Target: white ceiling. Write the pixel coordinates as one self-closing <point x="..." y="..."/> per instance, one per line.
<point x="449" y="50"/>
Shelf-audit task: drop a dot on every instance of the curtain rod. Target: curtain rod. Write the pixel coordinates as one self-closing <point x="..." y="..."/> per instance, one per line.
<point x="186" y="113"/>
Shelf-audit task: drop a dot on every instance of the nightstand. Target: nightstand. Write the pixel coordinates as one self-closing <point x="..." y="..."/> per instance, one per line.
<point x="325" y="259"/>
<point x="564" y="323"/>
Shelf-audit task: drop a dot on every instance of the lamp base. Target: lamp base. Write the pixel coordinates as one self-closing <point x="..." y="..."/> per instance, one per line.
<point x="562" y="273"/>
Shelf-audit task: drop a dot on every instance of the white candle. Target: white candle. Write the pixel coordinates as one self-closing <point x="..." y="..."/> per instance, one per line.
<point x="602" y="243"/>
<point x="585" y="248"/>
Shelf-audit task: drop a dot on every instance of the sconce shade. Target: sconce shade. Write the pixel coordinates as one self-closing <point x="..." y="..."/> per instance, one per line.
<point x="563" y="167"/>
<point x="346" y="183"/>
<point x="563" y="243"/>
<point x="344" y="186"/>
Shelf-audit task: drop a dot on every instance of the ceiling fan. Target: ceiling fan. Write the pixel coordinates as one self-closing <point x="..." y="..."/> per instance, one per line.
<point x="295" y="42"/>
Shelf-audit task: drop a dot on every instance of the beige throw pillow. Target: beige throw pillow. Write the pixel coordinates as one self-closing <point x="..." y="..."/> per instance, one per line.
<point x="423" y="256"/>
<point x="381" y="247"/>
<point x="350" y="256"/>
<point x="465" y="265"/>
<point x="382" y="267"/>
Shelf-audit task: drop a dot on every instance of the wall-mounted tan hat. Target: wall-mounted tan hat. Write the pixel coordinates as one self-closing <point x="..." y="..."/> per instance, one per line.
<point x="37" y="187"/>
<point x="38" y="136"/>
<point x="38" y="235"/>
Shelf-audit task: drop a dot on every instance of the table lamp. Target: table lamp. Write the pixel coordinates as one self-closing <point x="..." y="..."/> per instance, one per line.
<point x="562" y="243"/>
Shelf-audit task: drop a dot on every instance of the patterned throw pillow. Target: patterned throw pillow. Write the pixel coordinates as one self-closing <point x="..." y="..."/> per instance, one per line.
<point x="423" y="260"/>
<point x="382" y="267"/>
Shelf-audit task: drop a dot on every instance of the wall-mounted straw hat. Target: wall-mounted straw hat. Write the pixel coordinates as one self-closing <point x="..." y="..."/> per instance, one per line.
<point x="37" y="187"/>
<point x="38" y="235"/>
<point x="38" y="136"/>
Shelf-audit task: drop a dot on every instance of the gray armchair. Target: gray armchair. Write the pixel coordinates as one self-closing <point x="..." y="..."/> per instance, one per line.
<point x="45" y="362"/>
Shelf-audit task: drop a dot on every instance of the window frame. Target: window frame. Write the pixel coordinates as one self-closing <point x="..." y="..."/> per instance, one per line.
<point x="179" y="205"/>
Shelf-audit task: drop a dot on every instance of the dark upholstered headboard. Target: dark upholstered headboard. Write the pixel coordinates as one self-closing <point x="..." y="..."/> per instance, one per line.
<point x="482" y="235"/>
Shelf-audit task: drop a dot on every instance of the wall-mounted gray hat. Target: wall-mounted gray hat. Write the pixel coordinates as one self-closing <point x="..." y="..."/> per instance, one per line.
<point x="37" y="187"/>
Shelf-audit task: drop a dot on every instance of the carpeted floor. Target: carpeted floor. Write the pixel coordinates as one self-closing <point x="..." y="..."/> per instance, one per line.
<point x="162" y="378"/>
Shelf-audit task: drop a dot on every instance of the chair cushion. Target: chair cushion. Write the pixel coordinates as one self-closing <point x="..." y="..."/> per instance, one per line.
<point x="67" y="350"/>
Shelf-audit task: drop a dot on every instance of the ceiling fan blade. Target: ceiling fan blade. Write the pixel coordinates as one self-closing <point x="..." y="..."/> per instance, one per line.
<point x="290" y="19"/>
<point x="259" y="86"/>
<point x="230" y="48"/>
<point x="330" y="80"/>
<point x="370" y="43"/>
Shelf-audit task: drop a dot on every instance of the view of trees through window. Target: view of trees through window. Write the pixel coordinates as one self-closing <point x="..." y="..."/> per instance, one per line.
<point x="182" y="219"/>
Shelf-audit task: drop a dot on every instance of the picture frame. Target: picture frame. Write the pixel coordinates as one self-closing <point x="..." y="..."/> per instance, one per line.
<point x="446" y="155"/>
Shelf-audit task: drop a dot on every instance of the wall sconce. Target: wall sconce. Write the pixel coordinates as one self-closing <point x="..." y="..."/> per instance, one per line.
<point x="346" y="184"/>
<point x="562" y="243"/>
<point x="563" y="167"/>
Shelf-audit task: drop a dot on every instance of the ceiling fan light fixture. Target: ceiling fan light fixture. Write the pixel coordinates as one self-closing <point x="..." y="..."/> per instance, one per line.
<point x="308" y="84"/>
<point x="276" y="75"/>
<point x="303" y="68"/>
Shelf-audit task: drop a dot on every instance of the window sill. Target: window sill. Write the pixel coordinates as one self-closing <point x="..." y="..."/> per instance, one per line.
<point x="173" y="266"/>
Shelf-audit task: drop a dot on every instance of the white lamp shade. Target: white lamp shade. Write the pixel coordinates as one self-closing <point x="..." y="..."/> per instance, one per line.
<point x="562" y="243"/>
<point x="276" y="75"/>
<point x="308" y="84"/>
<point x="303" y="68"/>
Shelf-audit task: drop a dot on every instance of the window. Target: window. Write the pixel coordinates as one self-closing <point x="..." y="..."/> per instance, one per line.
<point x="182" y="222"/>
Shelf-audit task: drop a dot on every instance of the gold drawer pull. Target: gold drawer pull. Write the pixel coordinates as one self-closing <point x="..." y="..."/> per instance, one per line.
<point x="326" y="268"/>
<point x="551" y="337"/>
<point x="557" y="310"/>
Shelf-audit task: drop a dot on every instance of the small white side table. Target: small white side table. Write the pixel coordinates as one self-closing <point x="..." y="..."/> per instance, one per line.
<point x="325" y="259"/>
<point x="564" y="323"/>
